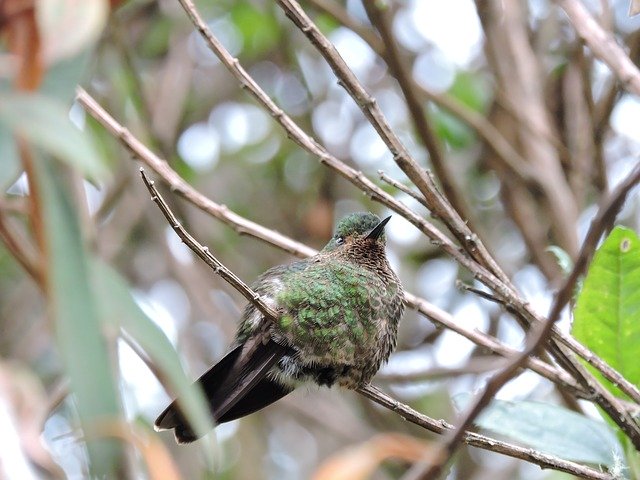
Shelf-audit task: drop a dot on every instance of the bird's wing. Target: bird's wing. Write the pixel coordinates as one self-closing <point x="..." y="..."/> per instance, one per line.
<point x="234" y="387"/>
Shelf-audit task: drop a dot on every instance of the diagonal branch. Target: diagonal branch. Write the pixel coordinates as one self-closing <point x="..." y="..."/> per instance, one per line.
<point x="21" y="250"/>
<point x="603" y="45"/>
<point x="204" y="253"/>
<point x="240" y="224"/>
<point x="476" y="440"/>
<point x="402" y="187"/>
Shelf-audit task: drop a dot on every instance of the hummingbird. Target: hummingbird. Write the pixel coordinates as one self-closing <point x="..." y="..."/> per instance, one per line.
<point x="338" y="314"/>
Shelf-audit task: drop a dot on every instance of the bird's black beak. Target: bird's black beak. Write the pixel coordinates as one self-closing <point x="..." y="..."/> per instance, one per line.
<point x="378" y="230"/>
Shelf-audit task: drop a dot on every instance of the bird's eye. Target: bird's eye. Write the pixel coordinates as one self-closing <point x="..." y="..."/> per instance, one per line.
<point x="339" y="240"/>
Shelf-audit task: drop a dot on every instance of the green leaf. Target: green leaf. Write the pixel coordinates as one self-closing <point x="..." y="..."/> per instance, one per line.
<point x="119" y="310"/>
<point x="44" y="122"/>
<point x="75" y="313"/>
<point x="450" y="129"/>
<point x="607" y="313"/>
<point x="470" y="90"/>
<point x="632" y="457"/>
<point x="260" y="30"/>
<point x="326" y="23"/>
<point x="61" y="80"/>
<point x="550" y="429"/>
<point x="562" y="257"/>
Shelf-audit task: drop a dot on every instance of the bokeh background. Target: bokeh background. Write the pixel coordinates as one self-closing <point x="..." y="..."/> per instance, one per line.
<point x="146" y="65"/>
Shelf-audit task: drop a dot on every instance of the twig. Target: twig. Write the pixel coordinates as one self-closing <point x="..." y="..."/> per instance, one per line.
<point x="603" y="45"/>
<point x="18" y="247"/>
<point x="480" y="293"/>
<point x="204" y="253"/>
<point x="369" y="391"/>
<point x="481" y="339"/>
<point x="403" y="188"/>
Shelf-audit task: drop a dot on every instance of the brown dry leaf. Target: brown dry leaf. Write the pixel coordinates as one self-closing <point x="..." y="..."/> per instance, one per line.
<point x="21" y="389"/>
<point x="634" y="8"/>
<point x="319" y="219"/>
<point x="159" y="463"/>
<point x="360" y="461"/>
<point x="19" y="28"/>
<point x="69" y="26"/>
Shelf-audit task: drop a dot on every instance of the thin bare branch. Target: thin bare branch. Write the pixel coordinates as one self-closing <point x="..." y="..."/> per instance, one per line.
<point x="403" y="188"/>
<point x="204" y="253"/>
<point x="240" y="224"/>
<point x="603" y="45"/>
<point x="19" y="247"/>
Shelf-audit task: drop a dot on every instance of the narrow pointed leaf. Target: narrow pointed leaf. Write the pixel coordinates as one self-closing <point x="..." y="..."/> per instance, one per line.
<point x="550" y="429"/>
<point x="72" y="304"/>
<point x="119" y="309"/>
<point x="45" y="122"/>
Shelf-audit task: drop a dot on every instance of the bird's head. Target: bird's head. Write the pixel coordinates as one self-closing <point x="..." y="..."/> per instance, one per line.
<point x="358" y="235"/>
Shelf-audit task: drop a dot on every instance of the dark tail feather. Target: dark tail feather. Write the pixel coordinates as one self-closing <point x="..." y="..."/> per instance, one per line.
<point x="264" y="393"/>
<point x="172" y="417"/>
<point x="234" y="387"/>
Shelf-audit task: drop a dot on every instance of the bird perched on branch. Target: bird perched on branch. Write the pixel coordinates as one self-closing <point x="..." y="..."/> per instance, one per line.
<point x="338" y="315"/>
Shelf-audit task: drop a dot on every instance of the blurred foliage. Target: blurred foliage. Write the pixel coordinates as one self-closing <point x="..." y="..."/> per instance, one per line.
<point x="104" y="296"/>
<point x="550" y="429"/>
